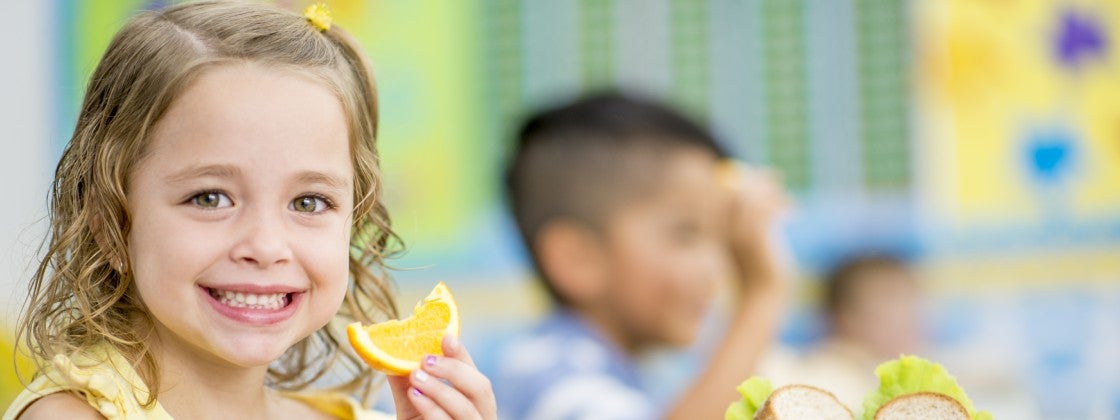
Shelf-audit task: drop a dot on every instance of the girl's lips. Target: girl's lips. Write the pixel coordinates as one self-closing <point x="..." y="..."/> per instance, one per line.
<point x="254" y="305"/>
<point x="254" y="288"/>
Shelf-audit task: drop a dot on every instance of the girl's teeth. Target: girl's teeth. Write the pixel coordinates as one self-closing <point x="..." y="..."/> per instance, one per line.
<point x="249" y="300"/>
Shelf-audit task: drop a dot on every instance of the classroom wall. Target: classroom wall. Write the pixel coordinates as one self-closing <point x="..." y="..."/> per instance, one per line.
<point x="980" y="138"/>
<point x="25" y="149"/>
<point x="25" y="159"/>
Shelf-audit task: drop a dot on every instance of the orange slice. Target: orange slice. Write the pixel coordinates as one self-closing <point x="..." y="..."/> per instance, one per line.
<point x="396" y="347"/>
<point x="730" y="173"/>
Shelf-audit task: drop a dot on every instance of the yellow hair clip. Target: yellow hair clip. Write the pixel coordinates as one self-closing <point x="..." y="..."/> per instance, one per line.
<point x="319" y="16"/>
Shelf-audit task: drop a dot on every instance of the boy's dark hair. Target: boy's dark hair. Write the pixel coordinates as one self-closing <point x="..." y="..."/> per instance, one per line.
<point x="582" y="160"/>
<point x="841" y="282"/>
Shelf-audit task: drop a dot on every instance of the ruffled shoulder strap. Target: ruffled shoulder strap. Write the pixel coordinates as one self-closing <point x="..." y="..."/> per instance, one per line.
<point x="105" y="378"/>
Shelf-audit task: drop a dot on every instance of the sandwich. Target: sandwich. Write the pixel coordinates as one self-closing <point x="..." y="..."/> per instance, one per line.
<point x="760" y="401"/>
<point x="922" y="405"/>
<point x="910" y="388"/>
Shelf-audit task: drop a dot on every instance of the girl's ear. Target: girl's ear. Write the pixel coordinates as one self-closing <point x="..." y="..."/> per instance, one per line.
<point x="571" y="257"/>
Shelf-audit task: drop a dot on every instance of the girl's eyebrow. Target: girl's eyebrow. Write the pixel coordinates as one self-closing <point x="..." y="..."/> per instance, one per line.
<point x="216" y="171"/>
<point x="332" y="181"/>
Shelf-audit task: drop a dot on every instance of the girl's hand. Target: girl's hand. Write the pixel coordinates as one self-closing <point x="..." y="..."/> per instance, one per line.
<point x="445" y="387"/>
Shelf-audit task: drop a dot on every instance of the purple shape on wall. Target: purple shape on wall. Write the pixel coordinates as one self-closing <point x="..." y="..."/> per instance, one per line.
<point x="1079" y="38"/>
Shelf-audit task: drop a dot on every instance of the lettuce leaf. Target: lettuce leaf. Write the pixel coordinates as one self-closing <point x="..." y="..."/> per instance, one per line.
<point x="755" y="391"/>
<point x="910" y="374"/>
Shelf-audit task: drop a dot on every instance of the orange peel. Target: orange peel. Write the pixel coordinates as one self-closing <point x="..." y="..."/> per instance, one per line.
<point x="396" y="347"/>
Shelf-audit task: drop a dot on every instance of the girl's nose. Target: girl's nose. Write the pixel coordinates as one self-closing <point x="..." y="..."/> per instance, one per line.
<point x="263" y="240"/>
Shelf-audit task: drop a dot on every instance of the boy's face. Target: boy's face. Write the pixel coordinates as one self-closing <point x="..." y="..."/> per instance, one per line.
<point x="241" y="213"/>
<point x="665" y="254"/>
<point x="885" y="312"/>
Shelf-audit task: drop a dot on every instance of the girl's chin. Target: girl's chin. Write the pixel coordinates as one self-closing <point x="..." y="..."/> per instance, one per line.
<point x="254" y="355"/>
<point x="252" y="360"/>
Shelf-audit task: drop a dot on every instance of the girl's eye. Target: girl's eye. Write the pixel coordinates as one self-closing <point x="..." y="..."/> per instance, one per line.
<point x="310" y="204"/>
<point x="211" y="200"/>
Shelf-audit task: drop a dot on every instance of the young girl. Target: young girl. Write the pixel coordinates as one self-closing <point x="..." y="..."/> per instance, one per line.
<point x="215" y="219"/>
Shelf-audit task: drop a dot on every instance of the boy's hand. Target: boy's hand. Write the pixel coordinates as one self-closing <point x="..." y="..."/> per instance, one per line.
<point x="445" y="387"/>
<point x="758" y="201"/>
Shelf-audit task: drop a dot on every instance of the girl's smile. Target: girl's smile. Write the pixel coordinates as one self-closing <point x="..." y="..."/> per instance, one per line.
<point x="253" y="304"/>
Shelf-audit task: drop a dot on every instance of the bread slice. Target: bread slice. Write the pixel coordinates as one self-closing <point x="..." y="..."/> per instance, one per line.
<point x="922" y="405"/>
<point x="797" y="402"/>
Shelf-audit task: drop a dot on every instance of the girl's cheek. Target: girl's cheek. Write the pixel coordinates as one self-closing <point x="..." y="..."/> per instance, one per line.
<point x="323" y="251"/>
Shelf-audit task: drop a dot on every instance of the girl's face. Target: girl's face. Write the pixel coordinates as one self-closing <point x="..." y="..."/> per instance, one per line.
<point x="241" y="215"/>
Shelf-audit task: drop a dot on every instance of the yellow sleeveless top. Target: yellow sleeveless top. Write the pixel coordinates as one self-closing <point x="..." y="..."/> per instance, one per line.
<point x="112" y="387"/>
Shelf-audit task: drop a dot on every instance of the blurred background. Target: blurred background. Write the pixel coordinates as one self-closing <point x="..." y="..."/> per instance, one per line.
<point x="979" y="138"/>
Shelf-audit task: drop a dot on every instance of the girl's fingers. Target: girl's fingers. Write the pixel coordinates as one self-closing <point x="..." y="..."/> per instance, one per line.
<point x="444" y="399"/>
<point x="400" y="386"/>
<point x="457" y="368"/>
<point x="426" y="407"/>
<point x="464" y="377"/>
<point x="454" y="349"/>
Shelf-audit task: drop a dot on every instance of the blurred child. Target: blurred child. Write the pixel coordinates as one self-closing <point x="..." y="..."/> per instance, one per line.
<point x="872" y="307"/>
<point x="629" y="215"/>
<point x="217" y="207"/>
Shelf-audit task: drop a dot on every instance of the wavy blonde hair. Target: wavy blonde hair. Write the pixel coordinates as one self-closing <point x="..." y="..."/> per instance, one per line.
<point x="81" y="294"/>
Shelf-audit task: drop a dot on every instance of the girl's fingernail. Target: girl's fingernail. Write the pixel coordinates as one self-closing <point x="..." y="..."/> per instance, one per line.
<point x="452" y="343"/>
<point x="416" y="392"/>
<point x="430" y="360"/>
<point x="421" y="376"/>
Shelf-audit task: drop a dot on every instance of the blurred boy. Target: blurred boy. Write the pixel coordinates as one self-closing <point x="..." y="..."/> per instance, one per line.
<point x="872" y="307"/>
<point x="629" y="216"/>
